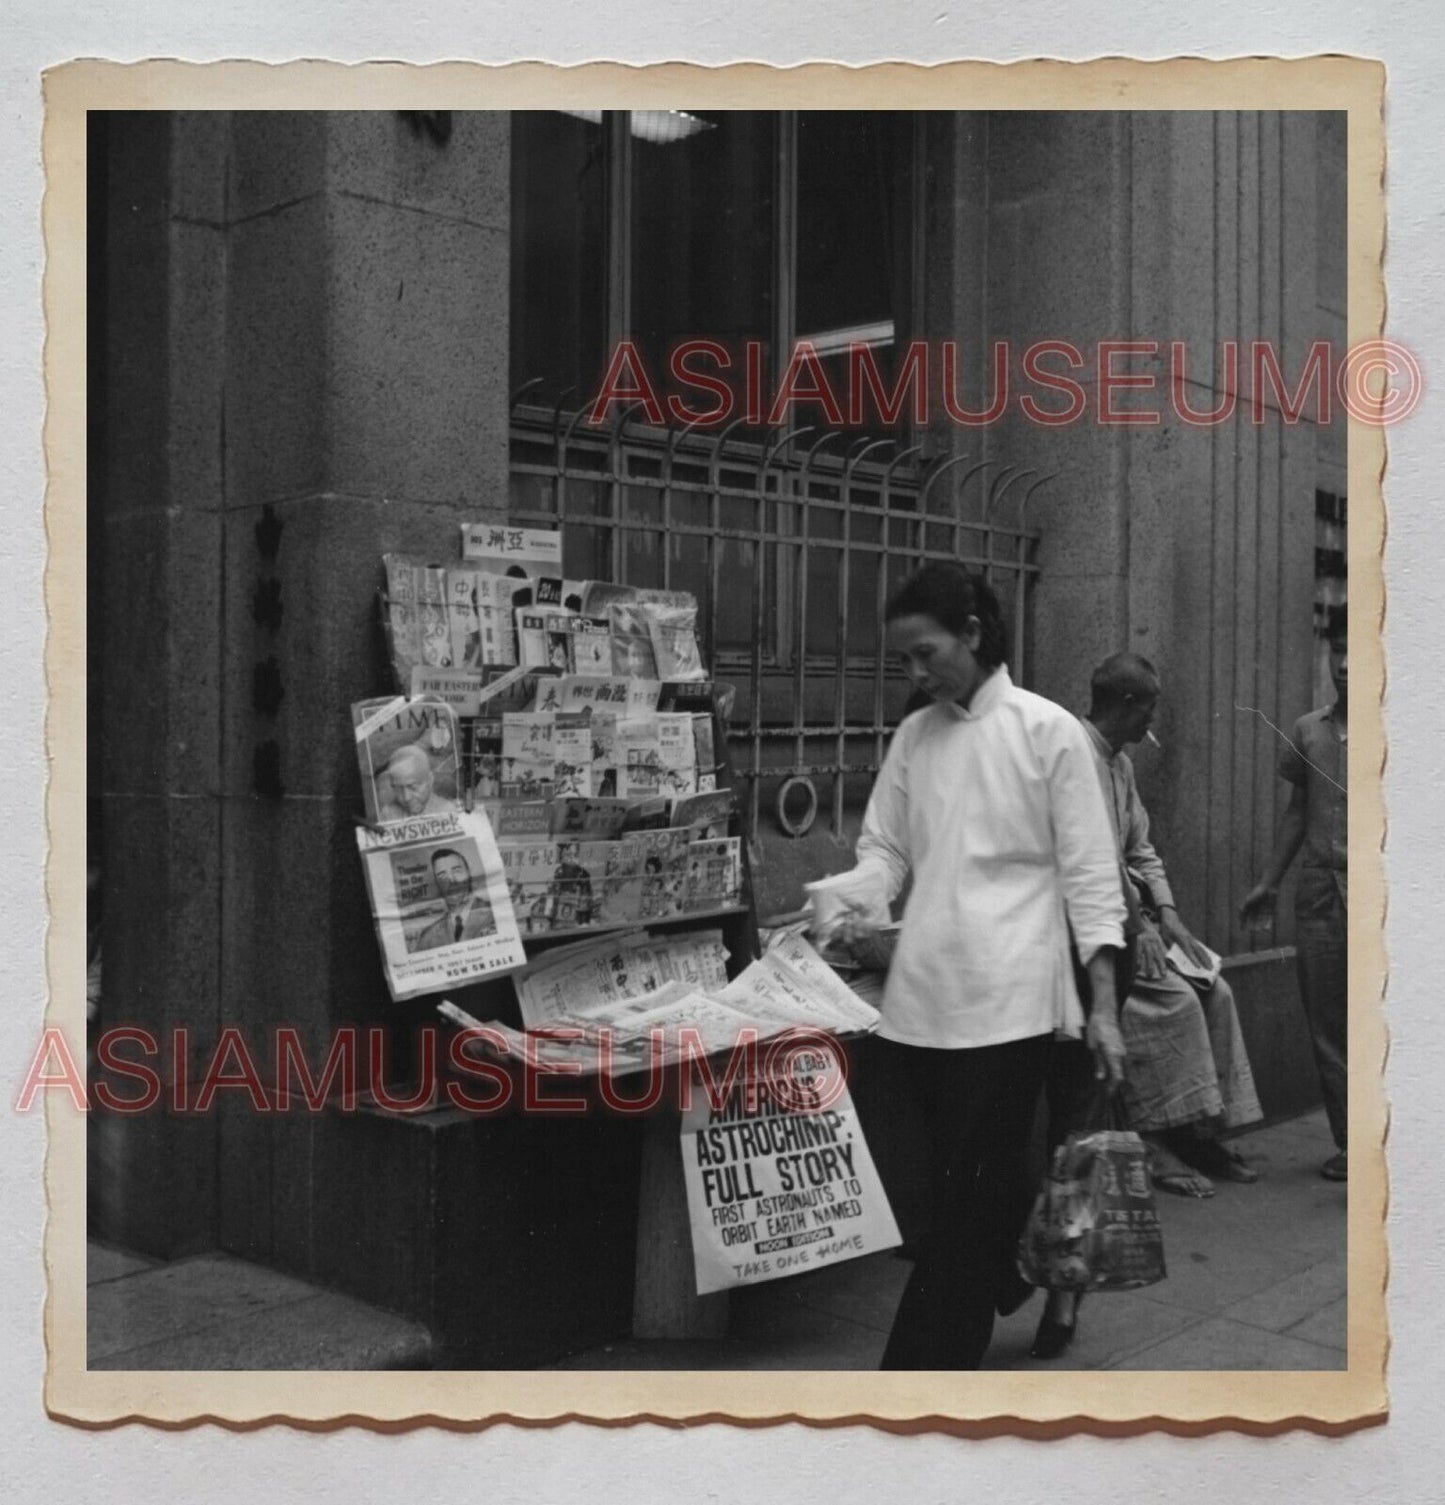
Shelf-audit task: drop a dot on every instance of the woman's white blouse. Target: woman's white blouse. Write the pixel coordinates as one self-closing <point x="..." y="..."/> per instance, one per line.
<point x="997" y="813"/>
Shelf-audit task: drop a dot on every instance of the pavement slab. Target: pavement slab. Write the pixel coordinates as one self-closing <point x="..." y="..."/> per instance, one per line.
<point x="321" y="1332"/>
<point x="1257" y="1280"/>
<point x="1218" y="1343"/>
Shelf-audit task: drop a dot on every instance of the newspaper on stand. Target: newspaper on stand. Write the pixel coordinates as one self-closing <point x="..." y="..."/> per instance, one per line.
<point x="440" y="902"/>
<point x="641" y="991"/>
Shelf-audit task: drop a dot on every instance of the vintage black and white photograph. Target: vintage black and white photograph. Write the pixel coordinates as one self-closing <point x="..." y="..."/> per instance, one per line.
<point x="969" y="491"/>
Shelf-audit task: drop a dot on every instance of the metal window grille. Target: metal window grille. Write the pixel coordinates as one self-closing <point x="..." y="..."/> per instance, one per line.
<point x="792" y="543"/>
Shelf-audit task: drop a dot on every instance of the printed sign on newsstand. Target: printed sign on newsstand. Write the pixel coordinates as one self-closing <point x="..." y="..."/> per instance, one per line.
<point x="779" y="1183"/>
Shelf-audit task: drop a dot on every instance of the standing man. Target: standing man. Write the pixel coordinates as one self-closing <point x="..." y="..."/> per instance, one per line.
<point x="1314" y="762"/>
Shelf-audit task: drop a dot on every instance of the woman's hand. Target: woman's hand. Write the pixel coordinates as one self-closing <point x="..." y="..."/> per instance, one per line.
<point x="1102" y="1034"/>
<point x="857" y="926"/>
<point x="1103" y="1038"/>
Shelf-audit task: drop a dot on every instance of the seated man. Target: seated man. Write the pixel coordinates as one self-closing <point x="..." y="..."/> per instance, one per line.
<point x="1188" y="1074"/>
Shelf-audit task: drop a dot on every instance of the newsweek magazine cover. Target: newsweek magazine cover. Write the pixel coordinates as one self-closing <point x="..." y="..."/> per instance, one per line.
<point x="407" y="753"/>
<point x="440" y="902"/>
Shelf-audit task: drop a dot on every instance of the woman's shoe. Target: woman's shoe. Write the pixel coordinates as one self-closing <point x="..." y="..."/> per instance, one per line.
<point x="1012" y="1295"/>
<point x="1052" y="1338"/>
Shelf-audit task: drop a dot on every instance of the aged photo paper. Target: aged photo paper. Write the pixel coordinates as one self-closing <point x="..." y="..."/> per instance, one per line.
<point x="302" y="316"/>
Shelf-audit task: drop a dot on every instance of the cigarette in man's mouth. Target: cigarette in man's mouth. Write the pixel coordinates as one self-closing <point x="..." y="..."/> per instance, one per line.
<point x="1152" y="740"/>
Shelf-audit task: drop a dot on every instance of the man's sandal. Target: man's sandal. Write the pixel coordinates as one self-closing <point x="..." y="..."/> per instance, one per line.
<point x="1222" y="1162"/>
<point x="1184" y="1183"/>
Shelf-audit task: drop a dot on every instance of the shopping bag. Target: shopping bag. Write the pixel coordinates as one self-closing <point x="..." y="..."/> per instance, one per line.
<point x="1094" y="1225"/>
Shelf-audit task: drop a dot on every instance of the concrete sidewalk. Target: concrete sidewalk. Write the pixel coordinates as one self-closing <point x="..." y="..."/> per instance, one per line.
<point x="217" y="1312"/>
<point x="1256" y="1281"/>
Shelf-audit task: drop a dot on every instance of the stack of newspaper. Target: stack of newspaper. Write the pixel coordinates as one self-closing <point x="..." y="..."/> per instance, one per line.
<point x="619" y="1004"/>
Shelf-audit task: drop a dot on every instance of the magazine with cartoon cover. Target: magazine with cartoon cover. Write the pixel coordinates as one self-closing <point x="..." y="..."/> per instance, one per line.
<point x="702" y="737"/>
<point x="714" y="874"/>
<point x="694" y="695"/>
<point x="618" y="878"/>
<point x="403" y="635"/>
<point x="406" y="750"/>
<point x="638" y="754"/>
<point x="575" y="884"/>
<point x="483" y="753"/>
<point x="588" y="819"/>
<point x="674" y="641"/>
<point x="677" y="754"/>
<point x="599" y="597"/>
<point x="439" y="898"/>
<point x="590" y="647"/>
<point x="603" y="727"/>
<point x="546" y="594"/>
<point x="558" y="628"/>
<point x="706" y="815"/>
<point x="528" y="767"/>
<point x="664" y="871"/>
<point x="464" y="617"/>
<point x="633" y="655"/>
<point x="572" y="756"/>
<point x="434" y="626"/>
<point x="497" y="611"/>
<point x="531" y="638"/>
<point x="529" y="863"/>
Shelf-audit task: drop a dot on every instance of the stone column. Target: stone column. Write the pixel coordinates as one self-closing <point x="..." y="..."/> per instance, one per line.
<point x="367" y="350"/>
<point x="157" y="475"/>
<point x="307" y="366"/>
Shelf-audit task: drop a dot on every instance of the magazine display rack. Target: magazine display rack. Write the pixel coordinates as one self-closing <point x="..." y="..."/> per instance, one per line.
<point x="642" y="848"/>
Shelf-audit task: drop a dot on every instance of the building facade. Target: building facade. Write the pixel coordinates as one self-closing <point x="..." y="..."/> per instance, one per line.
<point x="317" y="337"/>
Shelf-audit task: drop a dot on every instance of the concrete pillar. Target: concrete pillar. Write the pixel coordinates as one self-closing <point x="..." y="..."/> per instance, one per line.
<point x="307" y="366"/>
<point x="366" y="355"/>
<point x="158" y="478"/>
